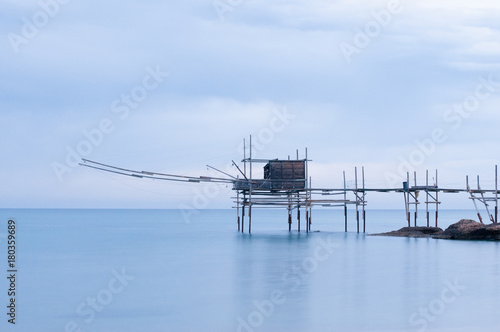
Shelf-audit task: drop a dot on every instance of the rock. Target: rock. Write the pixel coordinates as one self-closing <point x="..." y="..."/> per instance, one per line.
<point x="471" y="230"/>
<point x="416" y="232"/>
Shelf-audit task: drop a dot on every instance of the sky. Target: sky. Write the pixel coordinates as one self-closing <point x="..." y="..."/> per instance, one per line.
<point x="392" y="86"/>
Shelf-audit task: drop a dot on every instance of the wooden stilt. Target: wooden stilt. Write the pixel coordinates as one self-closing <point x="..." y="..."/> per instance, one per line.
<point x="345" y="217"/>
<point x="308" y="186"/>
<point x="496" y="194"/>
<point x="298" y="217"/>
<point x="474" y="200"/>
<point x="243" y="217"/>
<point x="289" y="214"/>
<point x="484" y="201"/>
<point x="357" y="221"/>
<point x="406" y="209"/>
<point x="310" y="218"/>
<point x="407" y="199"/>
<point x="250" y="191"/>
<point x="427" y="196"/>
<point x="289" y="221"/>
<point x="238" y="208"/>
<point x="307" y="220"/>
<point x="364" y="198"/>
<point x="437" y="199"/>
<point x="250" y="218"/>
<point x="416" y="199"/>
<point x="345" y="203"/>
<point x="357" y="198"/>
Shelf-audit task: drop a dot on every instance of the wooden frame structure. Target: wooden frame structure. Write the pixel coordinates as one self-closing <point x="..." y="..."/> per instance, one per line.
<point x="286" y="184"/>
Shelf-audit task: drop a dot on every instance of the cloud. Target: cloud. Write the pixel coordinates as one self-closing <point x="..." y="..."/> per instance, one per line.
<point x="226" y="78"/>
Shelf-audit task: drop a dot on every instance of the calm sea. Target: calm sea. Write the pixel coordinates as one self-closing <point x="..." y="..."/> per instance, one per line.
<point x="165" y="270"/>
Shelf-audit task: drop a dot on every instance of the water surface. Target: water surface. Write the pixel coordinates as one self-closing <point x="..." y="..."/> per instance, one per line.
<point x="155" y="270"/>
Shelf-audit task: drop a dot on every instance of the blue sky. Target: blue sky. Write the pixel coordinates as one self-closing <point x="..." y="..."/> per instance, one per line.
<point x="173" y="86"/>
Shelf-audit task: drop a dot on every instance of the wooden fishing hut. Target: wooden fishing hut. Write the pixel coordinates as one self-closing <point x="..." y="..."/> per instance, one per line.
<point x="284" y="184"/>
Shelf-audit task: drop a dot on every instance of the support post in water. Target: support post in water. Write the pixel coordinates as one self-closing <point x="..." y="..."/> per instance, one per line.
<point x="357" y="198"/>
<point x="416" y="198"/>
<point x="427" y="196"/>
<point x="345" y="203"/>
<point x="437" y="199"/>
<point x="250" y="193"/>
<point x="408" y="198"/>
<point x="364" y="199"/>
<point x="243" y="214"/>
<point x="238" y="208"/>
<point x="307" y="220"/>
<point x="310" y="219"/>
<point x="298" y="213"/>
<point x="307" y="187"/>
<point x="496" y="194"/>
<point x="310" y="206"/>
<point x="250" y="218"/>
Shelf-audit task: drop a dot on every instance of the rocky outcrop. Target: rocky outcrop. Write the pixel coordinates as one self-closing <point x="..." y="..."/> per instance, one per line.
<point x="414" y="232"/>
<point x="465" y="229"/>
<point x="471" y="230"/>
